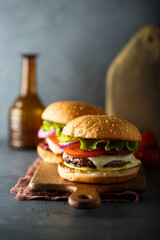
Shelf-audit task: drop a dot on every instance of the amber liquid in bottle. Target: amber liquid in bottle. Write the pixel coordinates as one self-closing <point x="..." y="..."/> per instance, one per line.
<point x="25" y="113"/>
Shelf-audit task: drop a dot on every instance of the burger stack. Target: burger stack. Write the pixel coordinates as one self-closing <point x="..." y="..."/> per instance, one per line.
<point x="88" y="145"/>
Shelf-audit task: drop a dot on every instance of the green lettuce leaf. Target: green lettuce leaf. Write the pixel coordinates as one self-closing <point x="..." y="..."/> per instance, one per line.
<point x="114" y="144"/>
<point x="59" y="132"/>
<point x="132" y="146"/>
<point x="50" y="126"/>
<point x="65" y="138"/>
<point x="89" y="144"/>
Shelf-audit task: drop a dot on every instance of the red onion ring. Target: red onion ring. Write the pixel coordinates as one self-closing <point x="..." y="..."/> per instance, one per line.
<point x="44" y="134"/>
<point x="68" y="144"/>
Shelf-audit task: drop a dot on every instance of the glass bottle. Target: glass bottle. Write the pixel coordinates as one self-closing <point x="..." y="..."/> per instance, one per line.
<point x="25" y="113"/>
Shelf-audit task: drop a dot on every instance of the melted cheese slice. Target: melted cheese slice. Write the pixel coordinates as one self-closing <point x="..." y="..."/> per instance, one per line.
<point x="53" y="147"/>
<point x="100" y="161"/>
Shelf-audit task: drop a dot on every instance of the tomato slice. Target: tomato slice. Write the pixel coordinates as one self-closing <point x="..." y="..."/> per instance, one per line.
<point x="76" y="152"/>
<point x="54" y="140"/>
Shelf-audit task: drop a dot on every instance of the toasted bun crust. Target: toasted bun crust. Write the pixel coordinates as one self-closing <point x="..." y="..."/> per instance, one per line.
<point x="48" y="156"/>
<point x="65" y="111"/>
<point x="109" y="177"/>
<point x="102" y="127"/>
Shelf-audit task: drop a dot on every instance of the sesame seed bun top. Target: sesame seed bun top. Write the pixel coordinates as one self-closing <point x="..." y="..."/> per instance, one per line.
<point x="65" y="111"/>
<point x="102" y="127"/>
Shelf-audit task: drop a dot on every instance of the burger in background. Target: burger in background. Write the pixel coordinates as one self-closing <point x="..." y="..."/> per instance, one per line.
<point x="55" y="117"/>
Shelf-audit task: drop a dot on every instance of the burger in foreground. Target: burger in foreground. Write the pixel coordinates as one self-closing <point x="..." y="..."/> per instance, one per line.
<point x="101" y="150"/>
<point x="55" y="117"/>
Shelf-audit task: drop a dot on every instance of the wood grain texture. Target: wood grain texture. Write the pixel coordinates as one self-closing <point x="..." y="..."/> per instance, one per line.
<point x="133" y="81"/>
<point x="83" y="195"/>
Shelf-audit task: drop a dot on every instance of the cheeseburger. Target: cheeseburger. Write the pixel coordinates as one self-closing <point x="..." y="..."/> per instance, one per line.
<point x="100" y="150"/>
<point x="55" y="117"/>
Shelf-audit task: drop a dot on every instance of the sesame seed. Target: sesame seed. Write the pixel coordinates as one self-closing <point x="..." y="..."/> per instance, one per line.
<point x="81" y="108"/>
<point x="74" y="107"/>
<point x="112" y="124"/>
<point x="106" y="120"/>
<point x="117" y="125"/>
<point x="114" y="133"/>
<point x="110" y="130"/>
<point x="120" y="128"/>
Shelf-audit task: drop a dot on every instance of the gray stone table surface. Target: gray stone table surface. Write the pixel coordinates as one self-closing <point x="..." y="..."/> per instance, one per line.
<point x="41" y="219"/>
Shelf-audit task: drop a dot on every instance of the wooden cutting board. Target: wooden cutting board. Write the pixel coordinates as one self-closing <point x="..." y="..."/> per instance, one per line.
<point x="83" y="196"/>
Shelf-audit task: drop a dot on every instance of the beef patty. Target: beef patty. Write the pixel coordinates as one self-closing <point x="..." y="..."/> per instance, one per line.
<point x="85" y="162"/>
<point x="115" y="163"/>
<point x="79" y="162"/>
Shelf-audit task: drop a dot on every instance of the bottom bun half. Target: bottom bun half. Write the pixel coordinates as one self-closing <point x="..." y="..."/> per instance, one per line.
<point x="48" y="156"/>
<point x="106" y="177"/>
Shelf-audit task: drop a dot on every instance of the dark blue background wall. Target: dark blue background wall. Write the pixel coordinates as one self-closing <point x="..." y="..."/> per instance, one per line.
<point x="76" y="39"/>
